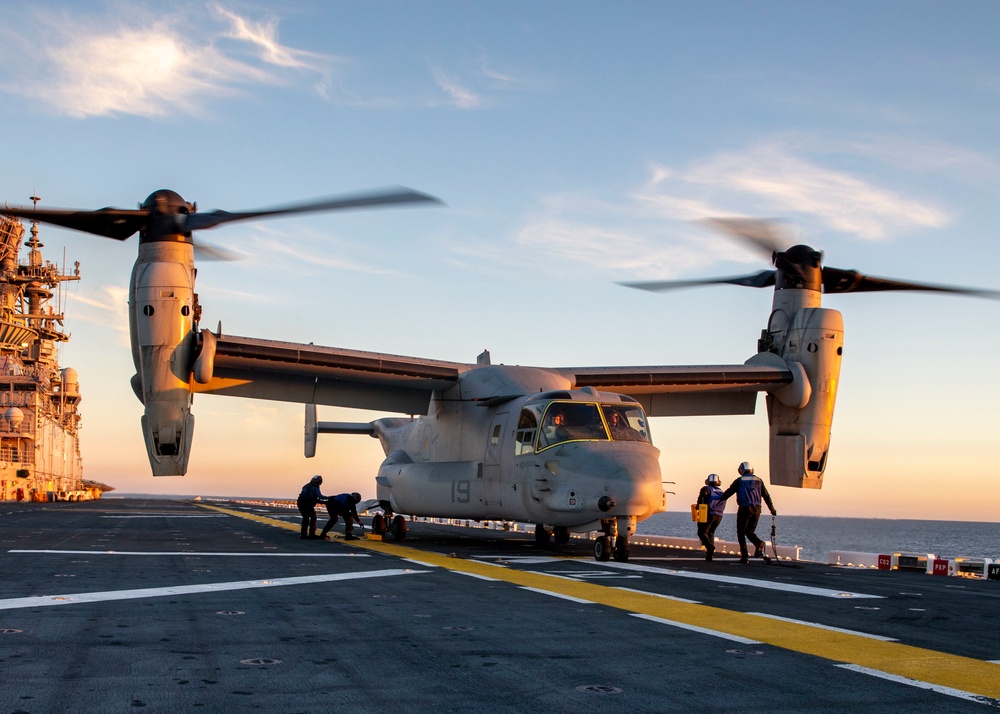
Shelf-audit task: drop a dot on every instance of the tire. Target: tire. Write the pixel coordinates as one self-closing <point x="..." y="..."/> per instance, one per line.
<point x="378" y="524"/>
<point x="542" y="534"/>
<point x="562" y="535"/>
<point x="621" y="549"/>
<point x="399" y="528"/>
<point x="602" y="548"/>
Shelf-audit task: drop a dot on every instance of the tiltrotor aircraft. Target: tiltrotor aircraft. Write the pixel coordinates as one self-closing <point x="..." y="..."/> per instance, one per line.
<point x="566" y="448"/>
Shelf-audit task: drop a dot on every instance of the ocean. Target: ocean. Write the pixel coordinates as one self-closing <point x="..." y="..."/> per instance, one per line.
<point x="817" y="535"/>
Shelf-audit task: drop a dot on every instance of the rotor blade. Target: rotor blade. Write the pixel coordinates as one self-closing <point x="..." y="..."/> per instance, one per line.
<point x="763" y="279"/>
<point x="836" y="280"/>
<point x="195" y="221"/>
<point x="208" y="252"/>
<point x="767" y="235"/>
<point x="117" y="223"/>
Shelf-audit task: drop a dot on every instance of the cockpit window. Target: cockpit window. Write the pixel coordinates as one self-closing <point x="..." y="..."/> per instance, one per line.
<point x="571" y="421"/>
<point x="524" y="438"/>
<point x="627" y="422"/>
<point x="581" y="421"/>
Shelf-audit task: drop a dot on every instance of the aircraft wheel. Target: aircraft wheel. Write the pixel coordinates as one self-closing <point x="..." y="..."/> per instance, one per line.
<point x="378" y="524"/>
<point x="562" y="535"/>
<point x="621" y="549"/>
<point x="542" y="534"/>
<point x="399" y="527"/>
<point x="602" y="548"/>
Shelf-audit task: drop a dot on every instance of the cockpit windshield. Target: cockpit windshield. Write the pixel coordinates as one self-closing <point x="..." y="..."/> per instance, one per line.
<point x="585" y="421"/>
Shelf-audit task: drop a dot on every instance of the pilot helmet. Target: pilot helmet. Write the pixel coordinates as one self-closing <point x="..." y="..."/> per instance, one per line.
<point x="745" y="468"/>
<point x="356" y="496"/>
<point x="317" y="479"/>
<point x="713" y="480"/>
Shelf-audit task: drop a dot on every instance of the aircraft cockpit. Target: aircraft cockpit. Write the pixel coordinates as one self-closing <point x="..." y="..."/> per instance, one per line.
<point x="549" y="422"/>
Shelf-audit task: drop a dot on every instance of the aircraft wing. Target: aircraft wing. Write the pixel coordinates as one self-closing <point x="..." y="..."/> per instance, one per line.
<point x="313" y="374"/>
<point x="686" y="390"/>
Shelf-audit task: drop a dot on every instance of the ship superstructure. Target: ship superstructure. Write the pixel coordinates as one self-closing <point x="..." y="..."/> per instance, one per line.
<point x="39" y="401"/>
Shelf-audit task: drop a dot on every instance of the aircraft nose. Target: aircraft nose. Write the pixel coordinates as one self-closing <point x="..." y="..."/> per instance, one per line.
<point x="619" y="479"/>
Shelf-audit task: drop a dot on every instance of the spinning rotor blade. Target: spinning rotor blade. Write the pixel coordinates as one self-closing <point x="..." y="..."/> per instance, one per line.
<point x="763" y="279"/>
<point x="799" y="266"/>
<point x="208" y="252"/>
<point x="195" y="221"/>
<point x="117" y="223"/>
<point x="120" y="223"/>
<point x="767" y="235"/>
<point x="836" y="280"/>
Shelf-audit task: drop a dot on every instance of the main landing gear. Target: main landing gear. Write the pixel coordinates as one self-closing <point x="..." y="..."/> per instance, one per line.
<point x="560" y="534"/>
<point x="393" y="525"/>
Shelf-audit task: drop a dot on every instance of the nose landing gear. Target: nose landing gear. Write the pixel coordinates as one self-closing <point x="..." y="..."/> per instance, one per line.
<point x="612" y="534"/>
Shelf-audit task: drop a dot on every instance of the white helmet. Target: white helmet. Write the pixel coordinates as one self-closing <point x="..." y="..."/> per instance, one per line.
<point x="745" y="468"/>
<point x="713" y="480"/>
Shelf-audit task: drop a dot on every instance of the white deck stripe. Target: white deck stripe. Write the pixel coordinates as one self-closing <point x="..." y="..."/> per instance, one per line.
<point x="665" y="597"/>
<point x="695" y="628"/>
<point x="192" y="552"/>
<point x="168" y="515"/>
<point x="733" y="580"/>
<point x="79" y="598"/>
<point x="476" y="575"/>
<point x="825" y="627"/>
<point x="958" y="693"/>
<point x="558" y="595"/>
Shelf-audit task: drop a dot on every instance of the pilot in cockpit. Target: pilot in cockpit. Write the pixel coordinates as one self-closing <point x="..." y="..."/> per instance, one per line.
<point x="554" y="429"/>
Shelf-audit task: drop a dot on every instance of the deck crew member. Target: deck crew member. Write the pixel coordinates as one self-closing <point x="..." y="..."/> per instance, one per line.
<point x="749" y="489"/>
<point x="344" y="505"/>
<point x="309" y="496"/>
<point x="711" y="496"/>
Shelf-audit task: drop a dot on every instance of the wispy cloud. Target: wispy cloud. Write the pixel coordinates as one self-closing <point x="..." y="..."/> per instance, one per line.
<point x="770" y="178"/>
<point x="106" y="306"/>
<point x="272" y="250"/>
<point x="458" y="95"/>
<point x="648" y="231"/>
<point x="477" y="84"/>
<point x="154" y="63"/>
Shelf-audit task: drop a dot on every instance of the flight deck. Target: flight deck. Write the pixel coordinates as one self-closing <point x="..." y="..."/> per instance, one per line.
<point x="156" y="604"/>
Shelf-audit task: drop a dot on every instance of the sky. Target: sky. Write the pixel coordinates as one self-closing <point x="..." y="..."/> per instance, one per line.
<point x="575" y="144"/>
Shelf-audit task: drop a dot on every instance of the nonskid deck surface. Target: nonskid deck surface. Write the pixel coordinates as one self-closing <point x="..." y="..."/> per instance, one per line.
<point x="174" y="605"/>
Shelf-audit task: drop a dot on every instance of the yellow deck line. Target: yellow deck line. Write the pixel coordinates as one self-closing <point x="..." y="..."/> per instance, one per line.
<point x="963" y="673"/>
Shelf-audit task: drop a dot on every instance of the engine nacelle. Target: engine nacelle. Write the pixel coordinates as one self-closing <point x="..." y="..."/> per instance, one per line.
<point x="801" y="414"/>
<point x="161" y="321"/>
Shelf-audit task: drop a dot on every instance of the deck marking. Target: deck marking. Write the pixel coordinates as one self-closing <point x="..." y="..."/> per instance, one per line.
<point x="940" y="669"/>
<point x="174" y="590"/>
<point x="695" y="628"/>
<point x="590" y="575"/>
<point x="559" y="595"/>
<point x="825" y="627"/>
<point x="191" y="552"/>
<point x="666" y="597"/>
<point x="968" y="696"/>
<point x="749" y="582"/>
<point x="164" y="515"/>
<point x="478" y="576"/>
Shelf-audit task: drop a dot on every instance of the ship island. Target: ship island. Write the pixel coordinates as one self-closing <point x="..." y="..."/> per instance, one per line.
<point x="40" y="418"/>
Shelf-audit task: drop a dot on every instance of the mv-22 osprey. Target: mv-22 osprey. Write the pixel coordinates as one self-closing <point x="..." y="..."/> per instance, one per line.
<point x="567" y="449"/>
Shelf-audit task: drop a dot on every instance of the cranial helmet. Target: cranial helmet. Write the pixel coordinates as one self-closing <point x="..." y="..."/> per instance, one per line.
<point x="745" y="468"/>
<point x="356" y="496"/>
<point x="317" y="479"/>
<point x="713" y="480"/>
